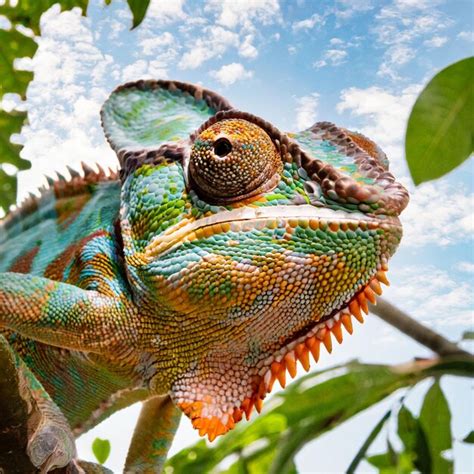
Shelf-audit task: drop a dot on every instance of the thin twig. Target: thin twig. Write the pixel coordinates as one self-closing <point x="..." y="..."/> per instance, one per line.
<point x="420" y="333"/>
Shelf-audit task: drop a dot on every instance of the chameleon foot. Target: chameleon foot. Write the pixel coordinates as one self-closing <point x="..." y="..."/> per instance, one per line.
<point x="51" y="447"/>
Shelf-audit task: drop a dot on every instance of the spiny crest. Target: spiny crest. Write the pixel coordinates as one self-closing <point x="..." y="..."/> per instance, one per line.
<point x="57" y="188"/>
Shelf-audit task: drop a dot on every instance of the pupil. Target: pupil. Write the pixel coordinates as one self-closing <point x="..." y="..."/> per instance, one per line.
<point x="222" y="147"/>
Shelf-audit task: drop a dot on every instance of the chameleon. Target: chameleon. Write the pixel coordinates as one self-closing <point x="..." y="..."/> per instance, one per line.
<point x="221" y="254"/>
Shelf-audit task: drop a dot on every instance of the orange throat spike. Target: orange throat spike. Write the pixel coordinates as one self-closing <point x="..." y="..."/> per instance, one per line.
<point x="214" y="421"/>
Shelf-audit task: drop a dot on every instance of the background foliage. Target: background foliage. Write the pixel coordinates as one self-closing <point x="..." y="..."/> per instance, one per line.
<point x="19" y="42"/>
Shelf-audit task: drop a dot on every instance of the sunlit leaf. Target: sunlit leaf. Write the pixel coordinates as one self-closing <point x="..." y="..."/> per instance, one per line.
<point x="15" y="45"/>
<point x="469" y="438"/>
<point x="9" y="152"/>
<point x="7" y="189"/>
<point x="413" y="439"/>
<point x="101" y="449"/>
<point x="383" y="462"/>
<point x="435" y="420"/>
<point x="440" y="129"/>
<point x="138" y="8"/>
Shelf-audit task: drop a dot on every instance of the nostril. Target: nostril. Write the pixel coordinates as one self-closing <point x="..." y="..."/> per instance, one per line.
<point x="222" y="147"/>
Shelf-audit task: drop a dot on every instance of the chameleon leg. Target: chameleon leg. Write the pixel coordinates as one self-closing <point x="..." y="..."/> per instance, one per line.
<point x="30" y="421"/>
<point x="64" y="315"/>
<point x="153" y="436"/>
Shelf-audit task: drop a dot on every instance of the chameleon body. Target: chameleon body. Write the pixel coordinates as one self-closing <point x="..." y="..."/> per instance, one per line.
<point x="222" y="253"/>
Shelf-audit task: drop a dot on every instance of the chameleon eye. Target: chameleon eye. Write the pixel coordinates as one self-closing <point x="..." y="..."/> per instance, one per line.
<point x="222" y="147"/>
<point x="232" y="160"/>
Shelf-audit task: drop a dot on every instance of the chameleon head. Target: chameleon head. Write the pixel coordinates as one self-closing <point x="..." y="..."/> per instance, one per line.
<point x="247" y="249"/>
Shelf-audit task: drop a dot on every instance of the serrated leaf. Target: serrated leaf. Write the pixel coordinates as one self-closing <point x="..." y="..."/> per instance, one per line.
<point x="435" y="420"/>
<point x="469" y="438"/>
<point x="101" y="449"/>
<point x="138" y="8"/>
<point x="440" y="130"/>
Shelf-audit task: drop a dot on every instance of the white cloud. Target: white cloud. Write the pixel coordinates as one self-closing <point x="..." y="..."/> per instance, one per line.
<point x="336" y="42"/>
<point x="346" y="9"/>
<point x="433" y="208"/>
<point x="214" y="43"/>
<point x="247" y="49"/>
<point x="331" y="57"/>
<point x="432" y="295"/>
<point x="436" y="41"/>
<point x="292" y="49"/>
<point x="306" y="110"/>
<point x="467" y="267"/>
<point x="163" y="12"/>
<point x="232" y="13"/>
<point x="231" y="73"/>
<point x="400" y="54"/>
<point x="154" y="45"/>
<point x="143" y="69"/>
<point x="465" y="35"/>
<point x="401" y="26"/>
<point x="309" y="23"/>
<point x="384" y="115"/>
<point x="72" y="78"/>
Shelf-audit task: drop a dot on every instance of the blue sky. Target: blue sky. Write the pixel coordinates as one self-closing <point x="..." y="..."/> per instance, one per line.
<point x="357" y="63"/>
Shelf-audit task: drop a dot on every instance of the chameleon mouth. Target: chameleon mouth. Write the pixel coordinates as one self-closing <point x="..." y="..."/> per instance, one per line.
<point x="285" y="360"/>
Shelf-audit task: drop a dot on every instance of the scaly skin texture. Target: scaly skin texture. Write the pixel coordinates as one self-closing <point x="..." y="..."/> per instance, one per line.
<point x="224" y="252"/>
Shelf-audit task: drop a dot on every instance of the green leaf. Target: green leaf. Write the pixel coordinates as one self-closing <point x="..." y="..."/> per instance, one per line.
<point x="460" y="365"/>
<point x="440" y="129"/>
<point x="382" y="461"/>
<point x="101" y="449"/>
<point x="11" y="123"/>
<point x="138" y="8"/>
<point x="7" y="189"/>
<point x="413" y="439"/>
<point x="15" y="45"/>
<point x="367" y="443"/>
<point x="467" y="335"/>
<point x="435" y="420"/>
<point x="469" y="438"/>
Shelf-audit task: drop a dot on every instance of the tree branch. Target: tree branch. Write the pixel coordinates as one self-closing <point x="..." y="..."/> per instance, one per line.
<point x="420" y="333"/>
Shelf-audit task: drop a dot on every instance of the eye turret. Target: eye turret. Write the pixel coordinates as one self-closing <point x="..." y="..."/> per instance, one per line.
<point x="233" y="159"/>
